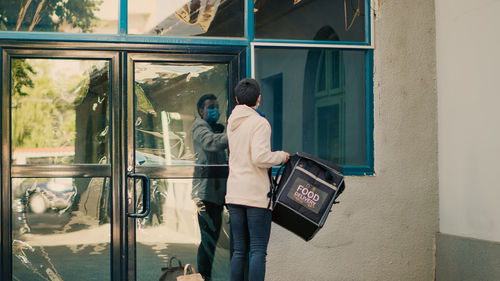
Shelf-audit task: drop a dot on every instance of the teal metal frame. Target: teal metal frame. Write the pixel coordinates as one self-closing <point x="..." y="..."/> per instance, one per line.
<point x="123" y="17"/>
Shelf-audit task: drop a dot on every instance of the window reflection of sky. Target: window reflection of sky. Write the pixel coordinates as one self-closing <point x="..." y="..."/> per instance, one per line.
<point x="147" y="71"/>
<point x="61" y="69"/>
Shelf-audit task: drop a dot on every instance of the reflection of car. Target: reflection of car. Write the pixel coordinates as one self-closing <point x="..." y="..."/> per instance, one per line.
<point x="143" y="158"/>
<point x="157" y="190"/>
<point x="52" y="194"/>
<point x="178" y="210"/>
<point x="39" y="199"/>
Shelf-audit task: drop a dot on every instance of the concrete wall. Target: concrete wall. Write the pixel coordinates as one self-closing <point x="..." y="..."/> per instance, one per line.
<point x="465" y="259"/>
<point x="469" y="96"/>
<point x="385" y="225"/>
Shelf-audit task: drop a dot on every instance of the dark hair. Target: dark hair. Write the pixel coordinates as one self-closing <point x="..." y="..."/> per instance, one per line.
<point x="247" y="91"/>
<point x="201" y="101"/>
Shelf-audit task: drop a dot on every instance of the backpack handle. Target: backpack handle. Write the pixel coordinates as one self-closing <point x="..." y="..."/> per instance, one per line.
<point x="274" y="184"/>
<point x="187" y="267"/>
<point x="172" y="259"/>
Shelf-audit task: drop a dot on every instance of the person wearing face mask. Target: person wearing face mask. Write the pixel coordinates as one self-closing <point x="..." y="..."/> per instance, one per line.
<point x="209" y="189"/>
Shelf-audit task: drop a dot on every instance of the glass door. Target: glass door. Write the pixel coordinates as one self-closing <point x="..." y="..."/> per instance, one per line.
<point x="114" y="163"/>
<point x="176" y="138"/>
<point x="57" y="169"/>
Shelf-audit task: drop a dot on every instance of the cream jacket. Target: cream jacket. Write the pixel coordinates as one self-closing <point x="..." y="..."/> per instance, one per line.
<point x="250" y="155"/>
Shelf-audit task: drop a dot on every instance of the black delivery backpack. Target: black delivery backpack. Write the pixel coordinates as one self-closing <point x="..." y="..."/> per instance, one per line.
<point x="305" y="193"/>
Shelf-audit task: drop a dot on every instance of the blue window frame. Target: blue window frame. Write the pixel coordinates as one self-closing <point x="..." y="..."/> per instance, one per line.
<point x="328" y="45"/>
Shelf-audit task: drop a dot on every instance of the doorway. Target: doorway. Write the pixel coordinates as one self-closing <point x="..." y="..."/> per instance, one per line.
<point x="99" y="168"/>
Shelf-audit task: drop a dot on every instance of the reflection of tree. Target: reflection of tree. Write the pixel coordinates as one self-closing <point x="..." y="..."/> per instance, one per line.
<point x="44" y="116"/>
<point x="47" y="15"/>
<point x="92" y="123"/>
<point x="21" y="76"/>
<point x="29" y="108"/>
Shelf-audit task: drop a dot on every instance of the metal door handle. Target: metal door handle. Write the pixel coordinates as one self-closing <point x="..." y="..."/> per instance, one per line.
<point x="146" y="199"/>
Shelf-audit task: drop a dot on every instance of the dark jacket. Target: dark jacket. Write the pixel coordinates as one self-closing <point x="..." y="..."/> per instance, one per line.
<point x="210" y="149"/>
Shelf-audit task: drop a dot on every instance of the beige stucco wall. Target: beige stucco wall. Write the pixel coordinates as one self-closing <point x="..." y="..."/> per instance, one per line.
<point x="385" y="225"/>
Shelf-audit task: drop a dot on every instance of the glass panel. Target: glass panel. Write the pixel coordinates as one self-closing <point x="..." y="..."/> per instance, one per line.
<point x="167" y="113"/>
<point x="321" y="81"/>
<point x="75" y="16"/>
<point x="60" y="111"/>
<point x="181" y="112"/>
<point x="323" y="90"/>
<point x="186" y="17"/>
<point x="335" y="64"/>
<point x="61" y="226"/>
<point x="325" y="20"/>
<point x="172" y="231"/>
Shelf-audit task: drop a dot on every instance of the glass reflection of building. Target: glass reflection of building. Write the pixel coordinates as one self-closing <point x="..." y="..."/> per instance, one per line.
<point x="171" y="90"/>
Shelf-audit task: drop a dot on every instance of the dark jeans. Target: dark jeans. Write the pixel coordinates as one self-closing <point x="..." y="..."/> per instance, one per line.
<point x="210" y="220"/>
<point x="251" y="228"/>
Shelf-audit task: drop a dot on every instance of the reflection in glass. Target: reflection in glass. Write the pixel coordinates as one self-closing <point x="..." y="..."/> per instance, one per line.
<point x="186" y="17"/>
<point x="172" y="231"/>
<point x="60" y="224"/>
<point x="166" y="108"/>
<point x="60" y="111"/>
<point x="75" y="16"/>
<point x="181" y="112"/>
<point x="210" y="144"/>
<point x="325" y="20"/>
<point x="327" y="99"/>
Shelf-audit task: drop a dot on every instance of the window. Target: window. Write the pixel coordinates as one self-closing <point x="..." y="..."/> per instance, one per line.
<point x="186" y="17"/>
<point x="301" y="19"/>
<point x="143" y="17"/>
<point x="321" y="90"/>
<point x="76" y="16"/>
<point x="313" y="61"/>
<point x="313" y="58"/>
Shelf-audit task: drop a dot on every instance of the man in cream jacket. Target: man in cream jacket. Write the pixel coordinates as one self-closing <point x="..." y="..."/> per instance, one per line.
<point x="249" y="139"/>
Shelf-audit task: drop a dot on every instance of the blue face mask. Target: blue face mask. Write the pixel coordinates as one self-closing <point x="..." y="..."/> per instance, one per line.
<point x="213" y="115"/>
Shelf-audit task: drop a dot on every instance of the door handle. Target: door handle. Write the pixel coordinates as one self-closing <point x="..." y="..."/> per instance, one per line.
<point x="146" y="199"/>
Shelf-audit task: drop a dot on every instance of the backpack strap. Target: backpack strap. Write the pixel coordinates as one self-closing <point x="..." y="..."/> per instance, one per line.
<point x="274" y="184"/>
